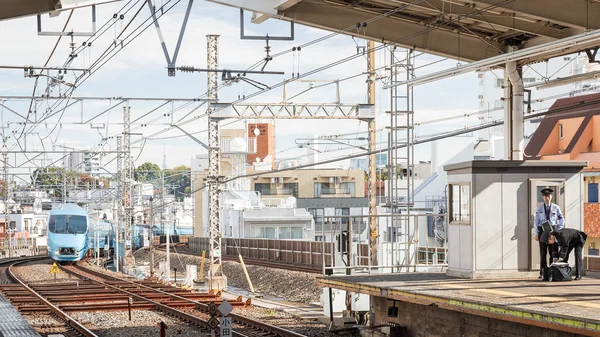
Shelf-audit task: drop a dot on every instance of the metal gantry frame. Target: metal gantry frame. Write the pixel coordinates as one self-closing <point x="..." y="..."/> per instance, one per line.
<point x="401" y="121"/>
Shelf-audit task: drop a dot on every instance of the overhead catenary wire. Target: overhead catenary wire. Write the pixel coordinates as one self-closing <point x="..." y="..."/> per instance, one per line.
<point x="312" y="42"/>
<point x="342" y="61"/>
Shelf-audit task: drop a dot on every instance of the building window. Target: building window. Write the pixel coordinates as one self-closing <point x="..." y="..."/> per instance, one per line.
<point x="499" y="83"/>
<point x="318" y="189"/>
<point x="498" y="104"/>
<point x="567" y="58"/>
<point x="342" y="215"/>
<point x="263" y="232"/>
<point x="593" y="192"/>
<point x="560" y="131"/>
<point x="317" y="214"/>
<point x="290" y="233"/>
<point x="348" y="188"/>
<point x="290" y="189"/>
<point x="529" y="80"/>
<point x="460" y="204"/>
<point x="262" y="188"/>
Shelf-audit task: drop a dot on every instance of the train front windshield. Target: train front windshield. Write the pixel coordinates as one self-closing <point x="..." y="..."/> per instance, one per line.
<point x="67" y="224"/>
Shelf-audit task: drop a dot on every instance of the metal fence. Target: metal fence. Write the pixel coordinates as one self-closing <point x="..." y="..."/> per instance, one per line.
<point x="402" y="244"/>
<point x="301" y="253"/>
<point x="18" y="247"/>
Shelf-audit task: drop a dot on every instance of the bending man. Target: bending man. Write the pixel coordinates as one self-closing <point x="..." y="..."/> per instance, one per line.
<point x="568" y="239"/>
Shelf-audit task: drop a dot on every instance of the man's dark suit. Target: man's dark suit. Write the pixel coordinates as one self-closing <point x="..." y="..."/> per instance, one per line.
<point x="568" y="239"/>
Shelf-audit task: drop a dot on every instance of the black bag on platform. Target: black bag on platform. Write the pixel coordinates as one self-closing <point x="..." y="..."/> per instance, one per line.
<point x="558" y="272"/>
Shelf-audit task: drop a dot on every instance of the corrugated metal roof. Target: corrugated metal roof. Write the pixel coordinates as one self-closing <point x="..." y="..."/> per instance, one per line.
<point x="12" y="323"/>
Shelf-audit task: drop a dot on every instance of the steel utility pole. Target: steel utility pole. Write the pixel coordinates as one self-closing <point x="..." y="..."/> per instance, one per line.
<point x="372" y="158"/>
<point x="6" y="195"/>
<point x="214" y="172"/>
<point x="151" y="237"/>
<point x="119" y="201"/>
<point x="127" y="178"/>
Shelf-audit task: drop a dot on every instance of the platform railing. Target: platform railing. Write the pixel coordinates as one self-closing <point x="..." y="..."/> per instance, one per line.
<point x="405" y="243"/>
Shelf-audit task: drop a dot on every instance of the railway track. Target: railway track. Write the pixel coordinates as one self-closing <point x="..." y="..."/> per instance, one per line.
<point x="28" y="301"/>
<point x="182" y="247"/>
<point x="174" y="302"/>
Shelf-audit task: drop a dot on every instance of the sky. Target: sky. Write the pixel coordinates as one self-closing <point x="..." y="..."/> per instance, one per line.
<point x="139" y="70"/>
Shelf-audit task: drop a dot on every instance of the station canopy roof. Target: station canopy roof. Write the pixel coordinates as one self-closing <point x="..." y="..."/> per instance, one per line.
<point x="460" y="29"/>
<point x="11" y="9"/>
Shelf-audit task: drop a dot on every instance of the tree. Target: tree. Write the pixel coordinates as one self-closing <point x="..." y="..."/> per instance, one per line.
<point x="51" y="179"/>
<point x="180" y="179"/>
<point x="146" y="172"/>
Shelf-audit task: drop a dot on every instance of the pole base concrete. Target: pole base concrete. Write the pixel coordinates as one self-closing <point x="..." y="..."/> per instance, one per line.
<point x="218" y="283"/>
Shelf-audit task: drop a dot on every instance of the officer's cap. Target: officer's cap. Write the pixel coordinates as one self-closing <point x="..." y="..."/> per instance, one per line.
<point x="547" y="191"/>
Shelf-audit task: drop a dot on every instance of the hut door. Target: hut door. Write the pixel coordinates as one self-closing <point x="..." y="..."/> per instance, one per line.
<point x="535" y="197"/>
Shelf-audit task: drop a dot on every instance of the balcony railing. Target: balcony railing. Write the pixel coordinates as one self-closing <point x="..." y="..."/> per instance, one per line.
<point x="281" y="191"/>
<point x="330" y="191"/>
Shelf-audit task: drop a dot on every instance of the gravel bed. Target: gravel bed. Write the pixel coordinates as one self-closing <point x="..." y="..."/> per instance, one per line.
<point x="39" y="272"/>
<point x="286" y="321"/>
<point x="3" y="276"/>
<point x="42" y="320"/>
<point x="142" y="324"/>
<point x="291" y="285"/>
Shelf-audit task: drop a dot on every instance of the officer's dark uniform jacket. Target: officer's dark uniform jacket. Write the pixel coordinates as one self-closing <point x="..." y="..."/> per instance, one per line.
<point x="568" y="238"/>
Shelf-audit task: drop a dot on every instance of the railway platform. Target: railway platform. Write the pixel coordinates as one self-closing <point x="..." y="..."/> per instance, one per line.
<point x="436" y="301"/>
<point x="12" y="323"/>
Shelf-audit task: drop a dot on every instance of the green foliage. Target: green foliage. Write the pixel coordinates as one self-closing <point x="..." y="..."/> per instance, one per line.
<point x="179" y="179"/>
<point x="51" y="179"/>
<point x="147" y="172"/>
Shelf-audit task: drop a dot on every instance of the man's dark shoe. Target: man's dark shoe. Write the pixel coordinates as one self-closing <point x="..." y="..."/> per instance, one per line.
<point x="577" y="278"/>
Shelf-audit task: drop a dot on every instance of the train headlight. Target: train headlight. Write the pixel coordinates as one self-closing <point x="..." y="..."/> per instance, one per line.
<point x="56" y="252"/>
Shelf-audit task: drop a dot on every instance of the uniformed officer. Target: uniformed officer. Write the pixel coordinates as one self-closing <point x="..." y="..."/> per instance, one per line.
<point x="568" y="239"/>
<point x="550" y="212"/>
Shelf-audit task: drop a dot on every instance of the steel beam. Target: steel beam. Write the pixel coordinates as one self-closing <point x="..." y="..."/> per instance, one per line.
<point x="490" y="20"/>
<point x="522" y="56"/>
<point x="574" y="13"/>
<point x="98" y="98"/>
<point x="293" y="111"/>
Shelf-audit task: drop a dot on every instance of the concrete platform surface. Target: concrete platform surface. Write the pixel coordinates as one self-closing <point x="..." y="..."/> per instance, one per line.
<point x="568" y="306"/>
<point x="12" y="324"/>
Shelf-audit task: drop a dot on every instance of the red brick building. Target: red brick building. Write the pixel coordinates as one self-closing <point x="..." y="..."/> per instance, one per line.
<point x="265" y="142"/>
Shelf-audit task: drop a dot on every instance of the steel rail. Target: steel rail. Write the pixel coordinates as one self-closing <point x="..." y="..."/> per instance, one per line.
<point x="250" y="323"/>
<point x="159" y="306"/>
<point x="69" y="321"/>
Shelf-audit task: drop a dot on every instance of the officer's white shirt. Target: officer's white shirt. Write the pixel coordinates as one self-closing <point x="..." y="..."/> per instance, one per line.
<point x="556" y="217"/>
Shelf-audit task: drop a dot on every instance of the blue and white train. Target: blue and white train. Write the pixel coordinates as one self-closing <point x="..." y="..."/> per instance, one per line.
<point x="67" y="233"/>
